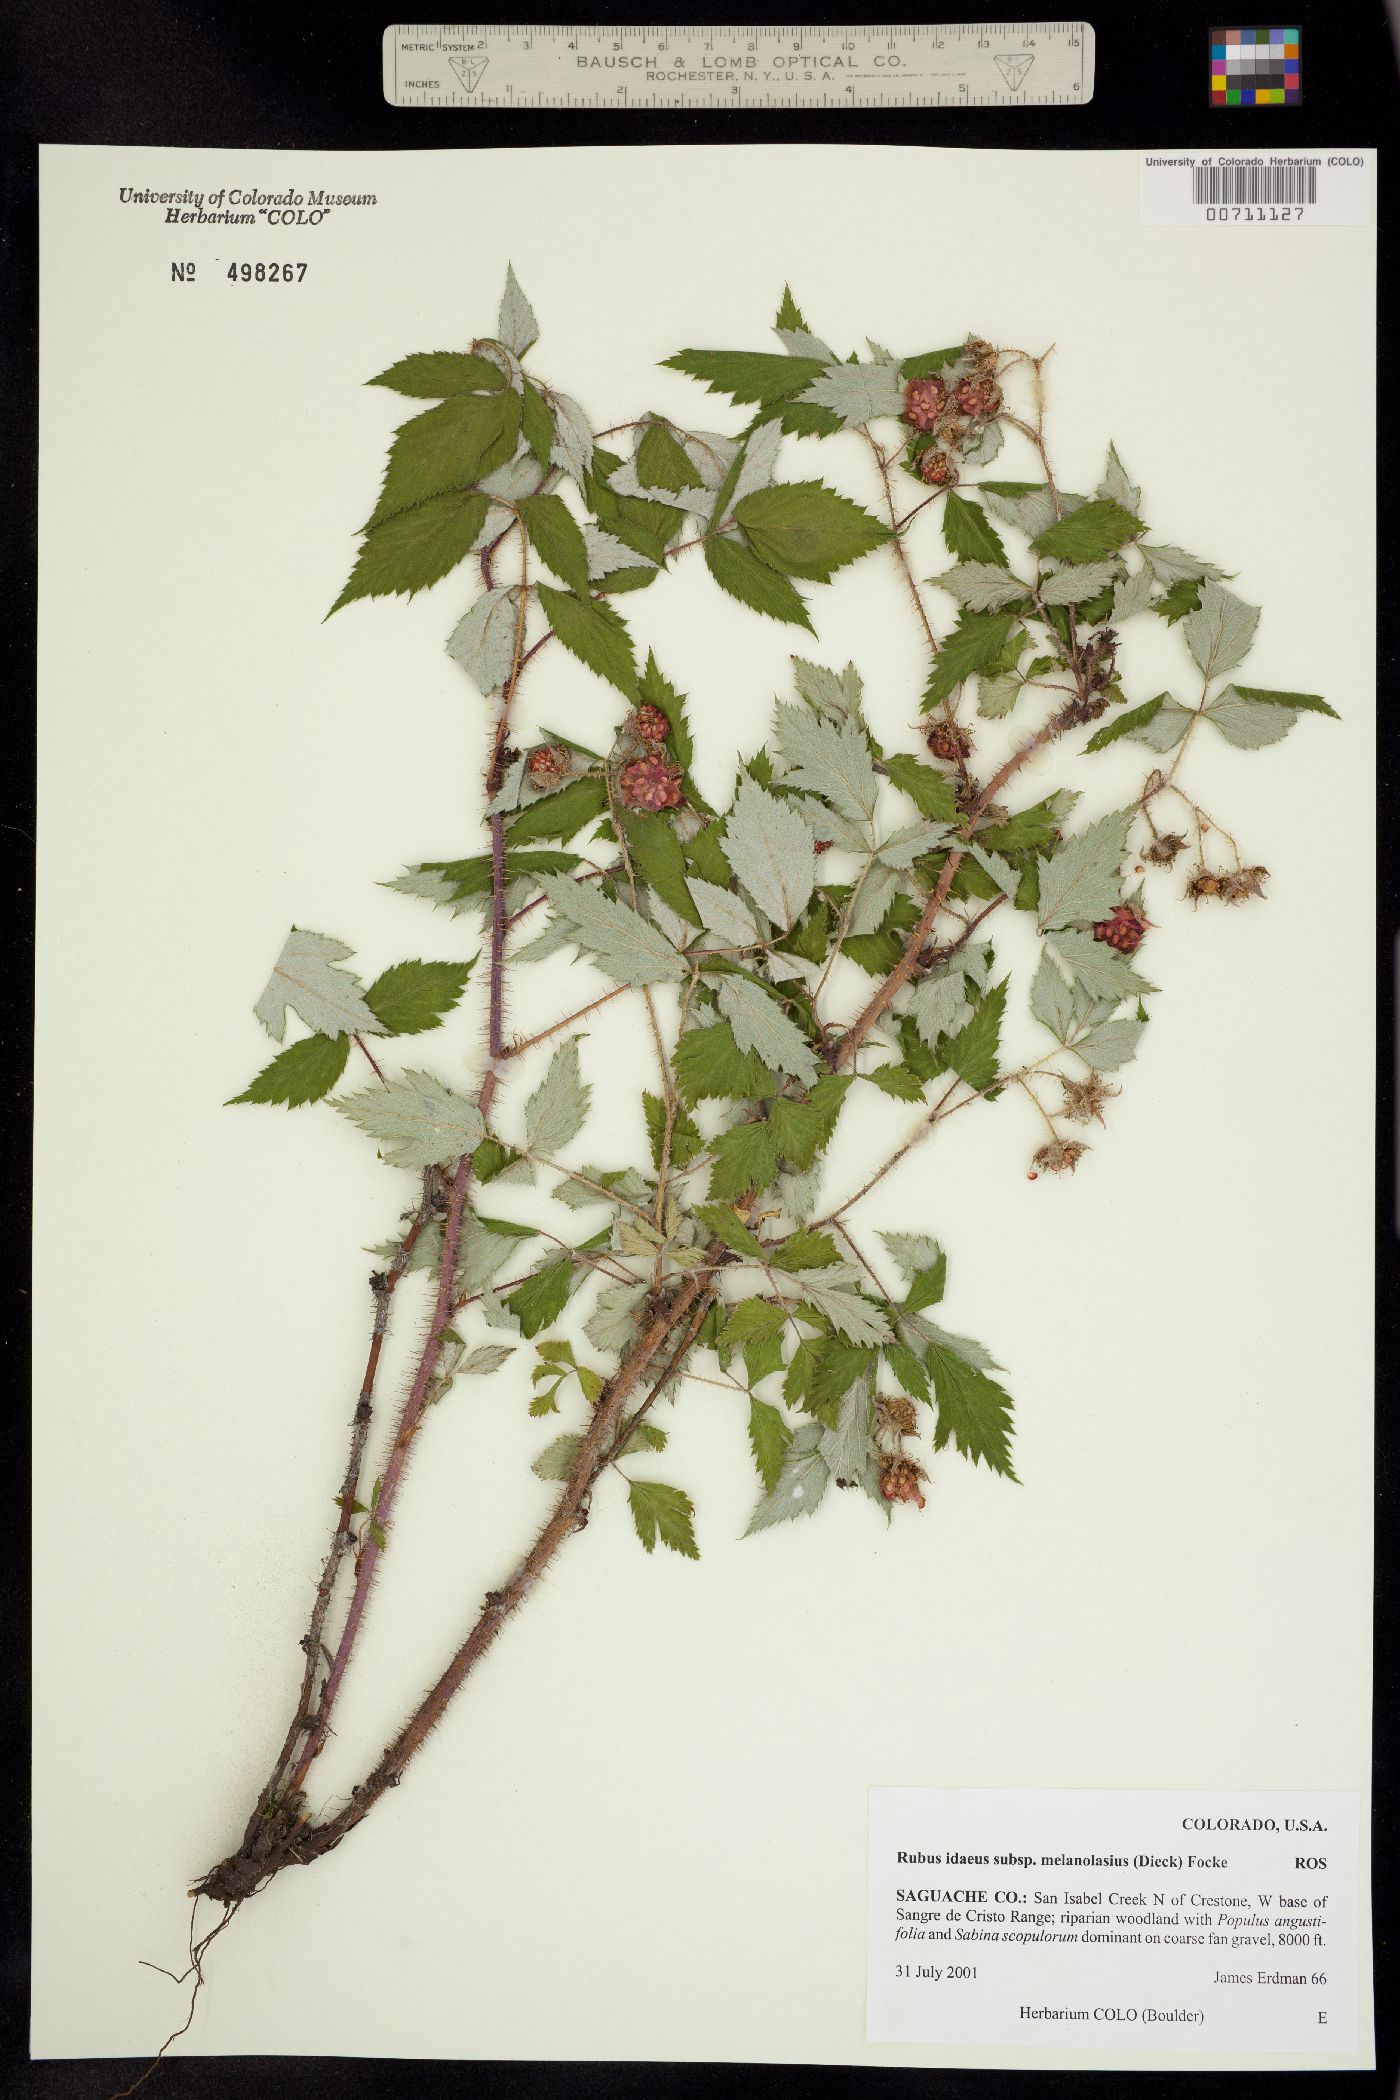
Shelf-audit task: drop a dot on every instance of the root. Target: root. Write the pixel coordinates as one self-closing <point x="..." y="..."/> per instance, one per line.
<point x="198" y="1950"/>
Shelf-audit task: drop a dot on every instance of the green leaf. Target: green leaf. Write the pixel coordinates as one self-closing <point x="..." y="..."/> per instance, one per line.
<point x="728" y="1227"/>
<point x="930" y="361"/>
<point x="930" y="791"/>
<point x="686" y="1140"/>
<point x="1308" y="703"/>
<point x="923" y="1264"/>
<point x="761" y="1026"/>
<point x="537" y="427"/>
<point x="1090" y="532"/>
<point x="837" y="1366"/>
<point x="447" y="448"/>
<point x="973" y="1411"/>
<point x="770" y="850"/>
<point x="625" y="946"/>
<point x="972" y="1052"/>
<point x="972" y="646"/>
<point x="307" y="977"/>
<point x="710" y="1066"/>
<point x="412" y="997"/>
<point x="737" y="570"/>
<point x="806" y="529"/>
<point x="805" y="1250"/>
<point x="433" y="375"/>
<point x="769" y="1438"/>
<point x="542" y="1297"/>
<point x="594" y="633"/>
<point x="557" y="1460"/>
<point x="664" y="1512"/>
<point x="1135" y="718"/>
<point x="1183" y="597"/>
<point x="969" y="533"/>
<point x="801" y="1483"/>
<point x="897" y="1081"/>
<point x="556" y="1111"/>
<point x="557" y="816"/>
<point x="303" y="1072"/>
<point x="1081" y="883"/>
<point x="557" y="539"/>
<point x="659" y="860"/>
<point x="661" y="462"/>
<point x="802" y="1129"/>
<point x="415" y="1120"/>
<point x="745" y="1160"/>
<point x="415" y="549"/>
<point x="762" y="376"/>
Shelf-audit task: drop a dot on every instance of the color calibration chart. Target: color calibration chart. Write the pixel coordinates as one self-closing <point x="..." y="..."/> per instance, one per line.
<point x="1250" y="68"/>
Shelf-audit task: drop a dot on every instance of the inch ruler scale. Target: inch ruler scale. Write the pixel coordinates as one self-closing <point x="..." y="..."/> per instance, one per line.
<point x="631" y="66"/>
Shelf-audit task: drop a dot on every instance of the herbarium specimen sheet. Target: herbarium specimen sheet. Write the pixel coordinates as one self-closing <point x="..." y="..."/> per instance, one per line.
<point x="903" y="1321"/>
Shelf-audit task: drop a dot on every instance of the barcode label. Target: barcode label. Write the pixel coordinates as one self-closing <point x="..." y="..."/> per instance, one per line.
<point x="1267" y="188"/>
<point x="1288" y="184"/>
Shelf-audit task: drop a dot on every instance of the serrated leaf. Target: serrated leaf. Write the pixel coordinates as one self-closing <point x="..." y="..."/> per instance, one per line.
<point x="745" y="1160"/>
<point x="303" y="1072"/>
<point x="760" y="376"/>
<point x="1052" y="1000"/>
<point x="415" y="549"/>
<point x="307" y="978"/>
<point x="483" y="641"/>
<point x="835" y="1293"/>
<point x="663" y="1512"/>
<point x="1075" y="581"/>
<point x="1116" y="484"/>
<point x="432" y="375"/>
<point x="516" y="327"/>
<point x="572" y="448"/>
<point x="1248" y="724"/>
<point x="1131" y="594"/>
<point x="972" y="1052"/>
<point x="771" y="852"/>
<point x="557" y="1109"/>
<point x="973" y="1410"/>
<point x="761" y="1026"/>
<point x="557" y="1460"/>
<point x="769" y="1439"/>
<point x="613" y="1321"/>
<point x="738" y="570"/>
<point x="557" y="538"/>
<point x="447" y="449"/>
<point x="846" y="1445"/>
<point x="1164" y="727"/>
<point x="830" y="760"/>
<point x="930" y="791"/>
<point x="939" y="1005"/>
<point x="972" y="646"/>
<point x="483" y="1361"/>
<point x="1219" y="632"/>
<point x="806" y="529"/>
<point x="594" y="633"/>
<point x="1110" y="1045"/>
<point x="801" y="1483"/>
<point x="968" y="532"/>
<point x="858" y="393"/>
<point x="997" y="695"/>
<point x="1127" y="724"/>
<point x="1172" y="565"/>
<point x="1307" y="703"/>
<point x="1089" y="532"/>
<point x="1103" y="973"/>
<point x="1082" y="881"/>
<point x="711" y="1066"/>
<point x="539" y="1300"/>
<point x="661" y="463"/>
<point x="1028" y="505"/>
<point x="837" y="694"/>
<point x="921" y="1262"/>
<point x="412" y="997"/>
<point x="982" y="586"/>
<point x="415" y="1120"/>
<point x="1006" y="878"/>
<point x="727" y="920"/>
<point x="561" y="815"/>
<point x="625" y="946"/>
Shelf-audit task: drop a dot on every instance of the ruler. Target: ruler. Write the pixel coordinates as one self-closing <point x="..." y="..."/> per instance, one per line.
<point x="631" y="66"/>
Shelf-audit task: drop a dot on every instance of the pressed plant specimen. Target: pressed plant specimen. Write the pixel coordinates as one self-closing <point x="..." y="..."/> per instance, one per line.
<point x="829" y="930"/>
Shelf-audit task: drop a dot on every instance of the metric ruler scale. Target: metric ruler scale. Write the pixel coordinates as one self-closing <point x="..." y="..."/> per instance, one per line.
<point x="899" y="65"/>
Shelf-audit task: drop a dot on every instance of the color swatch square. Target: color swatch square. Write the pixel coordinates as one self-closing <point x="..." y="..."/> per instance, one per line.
<point x="1256" y="68"/>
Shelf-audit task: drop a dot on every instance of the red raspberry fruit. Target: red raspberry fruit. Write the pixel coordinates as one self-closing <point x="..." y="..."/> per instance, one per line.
<point x="1123" y="929"/>
<point x="979" y="396"/>
<point x="651" y="725"/>
<point x="651" y="783"/>
<point x="937" y="469"/>
<point x="925" y="401"/>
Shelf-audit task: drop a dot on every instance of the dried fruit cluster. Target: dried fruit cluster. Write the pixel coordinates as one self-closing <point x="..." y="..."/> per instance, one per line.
<point x="828" y="934"/>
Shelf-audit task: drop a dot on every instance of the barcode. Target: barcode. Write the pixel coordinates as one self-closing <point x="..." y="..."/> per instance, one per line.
<point x="1255" y="185"/>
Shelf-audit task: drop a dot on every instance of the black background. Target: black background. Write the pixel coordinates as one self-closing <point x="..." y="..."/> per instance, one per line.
<point x="309" y="77"/>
